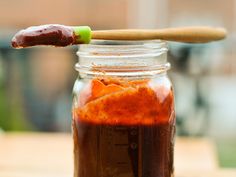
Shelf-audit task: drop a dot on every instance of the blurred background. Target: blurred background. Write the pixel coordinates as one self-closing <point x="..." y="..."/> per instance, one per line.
<point x="36" y="83"/>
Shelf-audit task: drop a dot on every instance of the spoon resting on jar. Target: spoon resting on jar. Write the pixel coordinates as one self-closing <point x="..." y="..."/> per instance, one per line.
<point x="61" y="35"/>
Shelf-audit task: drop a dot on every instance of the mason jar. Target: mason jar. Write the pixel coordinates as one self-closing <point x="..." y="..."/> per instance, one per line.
<point x="123" y="110"/>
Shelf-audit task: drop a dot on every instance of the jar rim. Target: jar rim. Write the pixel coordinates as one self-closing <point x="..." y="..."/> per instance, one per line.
<point x="130" y="57"/>
<point x="115" y="43"/>
<point x="123" y="44"/>
<point x="123" y="49"/>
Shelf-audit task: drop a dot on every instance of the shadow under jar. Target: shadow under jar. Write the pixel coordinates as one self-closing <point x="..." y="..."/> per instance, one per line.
<point x="123" y="110"/>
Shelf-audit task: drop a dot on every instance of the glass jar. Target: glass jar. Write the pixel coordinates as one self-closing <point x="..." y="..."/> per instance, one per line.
<point x="123" y="110"/>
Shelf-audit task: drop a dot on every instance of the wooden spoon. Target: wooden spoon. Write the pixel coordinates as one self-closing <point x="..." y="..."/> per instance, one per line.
<point x="61" y="35"/>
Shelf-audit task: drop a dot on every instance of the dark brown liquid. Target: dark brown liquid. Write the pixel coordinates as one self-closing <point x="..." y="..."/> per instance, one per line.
<point x="56" y="35"/>
<point x="123" y="151"/>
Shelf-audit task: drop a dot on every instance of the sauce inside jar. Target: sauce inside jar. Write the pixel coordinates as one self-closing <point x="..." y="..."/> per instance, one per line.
<point x="124" y="129"/>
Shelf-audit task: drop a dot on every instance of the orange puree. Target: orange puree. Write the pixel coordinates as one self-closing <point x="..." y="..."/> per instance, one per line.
<point x="114" y="101"/>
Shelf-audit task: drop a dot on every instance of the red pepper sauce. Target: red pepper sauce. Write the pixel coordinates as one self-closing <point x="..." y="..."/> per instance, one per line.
<point x="124" y="128"/>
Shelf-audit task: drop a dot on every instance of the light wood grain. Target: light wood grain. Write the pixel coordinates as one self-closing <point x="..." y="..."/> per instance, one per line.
<point x="182" y="34"/>
<point x="36" y="155"/>
<point x="214" y="173"/>
<point x="50" y="155"/>
<point x="195" y="154"/>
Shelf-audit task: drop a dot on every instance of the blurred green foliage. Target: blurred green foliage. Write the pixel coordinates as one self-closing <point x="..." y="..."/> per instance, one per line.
<point x="227" y="152"/>
<point x="12" y="116"/>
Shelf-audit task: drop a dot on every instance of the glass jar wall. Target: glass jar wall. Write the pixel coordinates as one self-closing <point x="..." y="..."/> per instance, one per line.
<point x="123" y="110"/>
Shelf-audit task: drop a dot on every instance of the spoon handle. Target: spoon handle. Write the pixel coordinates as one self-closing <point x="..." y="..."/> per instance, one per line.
<point x="183" y="34"/>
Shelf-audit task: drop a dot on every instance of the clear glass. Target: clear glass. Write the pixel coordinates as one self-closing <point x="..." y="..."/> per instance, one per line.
<point x="123" y="110"/>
